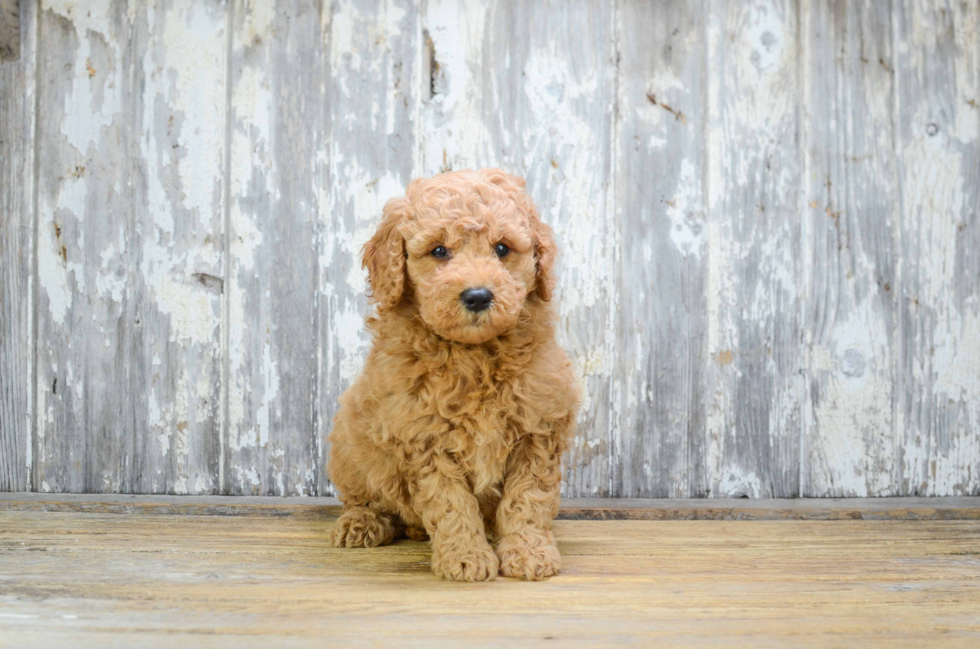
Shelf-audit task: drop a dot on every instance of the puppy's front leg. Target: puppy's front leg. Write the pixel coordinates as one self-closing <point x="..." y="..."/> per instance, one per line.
<point x="451" y="515"/>
<point x="525" y="544"/>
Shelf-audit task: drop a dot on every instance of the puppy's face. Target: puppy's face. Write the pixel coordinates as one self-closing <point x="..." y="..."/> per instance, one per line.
<point x="467" y="249"/>
<point x="470" y="273"/>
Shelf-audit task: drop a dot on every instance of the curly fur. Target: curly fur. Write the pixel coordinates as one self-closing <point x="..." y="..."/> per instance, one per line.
<point x="456" y="427"/>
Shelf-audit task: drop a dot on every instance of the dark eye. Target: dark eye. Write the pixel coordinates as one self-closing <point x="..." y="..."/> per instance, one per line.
<point x="501" y="249"/>
<point x="440" y="252"/>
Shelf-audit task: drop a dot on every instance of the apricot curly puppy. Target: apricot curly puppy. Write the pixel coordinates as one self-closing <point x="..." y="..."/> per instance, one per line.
<point x="456" y="427"/>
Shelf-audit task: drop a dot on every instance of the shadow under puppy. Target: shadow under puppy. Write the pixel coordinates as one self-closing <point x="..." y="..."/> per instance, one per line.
<point x="456" y="427"/>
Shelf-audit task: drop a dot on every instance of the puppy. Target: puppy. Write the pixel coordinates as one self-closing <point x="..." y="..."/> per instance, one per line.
<point x="456" y="427"/>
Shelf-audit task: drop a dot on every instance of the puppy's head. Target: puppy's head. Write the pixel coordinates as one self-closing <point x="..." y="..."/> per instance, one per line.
<point x="466" y="249"/>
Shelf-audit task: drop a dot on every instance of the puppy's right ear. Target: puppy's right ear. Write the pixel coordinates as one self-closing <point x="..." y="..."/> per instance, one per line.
<point x="384" y="257"/>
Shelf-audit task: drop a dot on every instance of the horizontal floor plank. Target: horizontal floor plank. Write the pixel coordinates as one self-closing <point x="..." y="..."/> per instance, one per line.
<point x="952" y="508"/>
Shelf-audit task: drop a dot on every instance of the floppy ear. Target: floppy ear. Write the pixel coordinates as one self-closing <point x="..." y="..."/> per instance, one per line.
<point x="545" y="255"/>
<point x="384" y="257"/>
<point x="545" y="251"/>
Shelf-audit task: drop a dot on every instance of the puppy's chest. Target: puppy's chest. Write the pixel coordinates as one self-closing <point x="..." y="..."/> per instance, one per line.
<point x="479" y="403"/>
<point x="480" y="414"/>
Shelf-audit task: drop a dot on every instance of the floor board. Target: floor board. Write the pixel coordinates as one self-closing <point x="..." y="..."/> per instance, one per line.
<point x="947" y="508"/>
<point x="105" y="579"/>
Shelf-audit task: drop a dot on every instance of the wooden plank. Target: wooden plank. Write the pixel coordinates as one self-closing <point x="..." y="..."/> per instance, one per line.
<point x="277" y="133"/>
<point x="17" y="104"/>
<point x="952" y="508"/>
<point x="754" y="380"/>
<point x="529" y="87"/>
<point x="661" y="219"/>
<point x="937" y="146"/>
<point x="142" y="505"/>
<point x="129" y="258"/>
<point x="98" y="580"/>
<point x="742" y="509"/>
<point x="375" y="86"/>
<point x="852" y="199"/>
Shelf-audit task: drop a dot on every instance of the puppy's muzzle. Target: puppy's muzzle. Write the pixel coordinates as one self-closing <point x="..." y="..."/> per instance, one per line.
<point x="476" y="299"/>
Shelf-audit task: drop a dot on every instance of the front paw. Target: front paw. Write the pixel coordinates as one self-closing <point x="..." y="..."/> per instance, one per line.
<point x="528" y="556"/>
<point x="473" y="561"/>
<point x="361" y="527"/>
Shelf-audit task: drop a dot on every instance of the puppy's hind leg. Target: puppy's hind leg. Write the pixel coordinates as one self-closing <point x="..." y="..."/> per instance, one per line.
<point x="362" y="526"/>
<point x="416" y="533"/>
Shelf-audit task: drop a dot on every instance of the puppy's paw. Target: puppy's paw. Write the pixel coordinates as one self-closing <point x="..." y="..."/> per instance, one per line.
<point x="361" y="527"/>
<point x="417" y="533"/>
<point x="531" y="557"/>
<point x="471" y="562"/>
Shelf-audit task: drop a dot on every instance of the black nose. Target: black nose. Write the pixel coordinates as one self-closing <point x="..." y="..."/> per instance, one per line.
<point x="476" y="299"/>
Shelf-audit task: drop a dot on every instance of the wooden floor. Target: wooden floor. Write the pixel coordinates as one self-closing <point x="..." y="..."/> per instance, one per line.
<point x="102" y="579"/>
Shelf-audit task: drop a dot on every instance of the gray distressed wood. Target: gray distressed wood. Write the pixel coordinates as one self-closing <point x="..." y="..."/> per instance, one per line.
<point x="767" y="209"/>
<point x="529" y="87"/>
<point x="754" y="386"/>
<point x="17" y="93"/>
<point x="276" y="179"/>
<point x="375" y="86"/>
<point x="131" y="120"/>
<point x="937" y="145"/>
<point x="720" y="509"/>
<point x="849" y="236"/>
<point x="660" y="212"/>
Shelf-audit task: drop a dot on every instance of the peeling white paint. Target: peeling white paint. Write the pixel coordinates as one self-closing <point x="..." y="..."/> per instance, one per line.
<point x="53" y="275"/>
<point x="563" y="137"/>
<point x="91" y="87"/>
<point x="271" y="382"/>
<point x="197" y="49"/>
<point x="737" y="482"/>
<point x="683" y="210"/>
<point x="201" y="485"/>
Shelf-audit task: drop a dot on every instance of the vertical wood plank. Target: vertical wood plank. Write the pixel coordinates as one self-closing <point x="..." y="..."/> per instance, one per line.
<point x="938" y="152"/>
<point x="178" y="244"/>
<point x="17" y="94"/>
<point x="530" y="87"/>
<point x="660" y="202"/>
<point x="754" y="377"/>
<point x="852" y="198"/>
<point x="277" y="111"/>
<point x="375" y="87"/>
<point x="129" y="260"/>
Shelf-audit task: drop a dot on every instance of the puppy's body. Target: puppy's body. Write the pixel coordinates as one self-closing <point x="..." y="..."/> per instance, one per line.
<point x="456" y="427"/>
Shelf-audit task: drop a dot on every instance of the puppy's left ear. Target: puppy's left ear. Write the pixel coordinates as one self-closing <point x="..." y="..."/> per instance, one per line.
<point x="545" y="251"/>
<point x="384" y="257"/>
<point x="545" y="256"/>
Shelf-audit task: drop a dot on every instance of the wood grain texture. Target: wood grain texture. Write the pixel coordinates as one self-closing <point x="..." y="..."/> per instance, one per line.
<point x="937" y="146"/>
<point x="130" y="194"/>
<point x="767" y="212"/>
<point x="652" y="509"/>
<point x="278" y="53"/>
<point x="754" y="376"/>
<point x="109" y="580"/>
<point x="17" y="95"/>
<point x="660" y="212"/>
<point x="374" y="88"/>
<point x="852" y="195"/>
<point x="529" y="87"/>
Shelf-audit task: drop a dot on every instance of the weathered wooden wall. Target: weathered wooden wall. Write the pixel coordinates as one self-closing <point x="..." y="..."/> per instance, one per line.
<point x="768" y="212"/>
